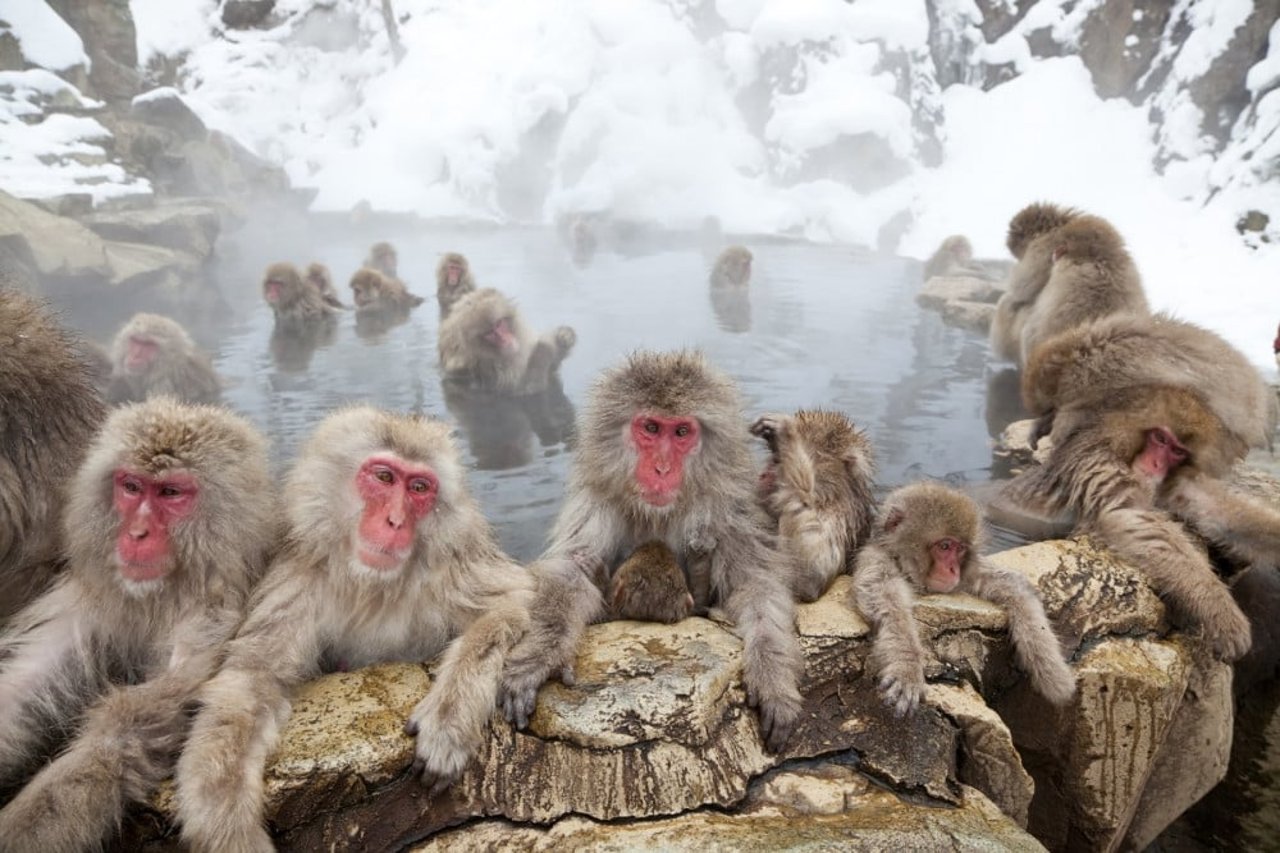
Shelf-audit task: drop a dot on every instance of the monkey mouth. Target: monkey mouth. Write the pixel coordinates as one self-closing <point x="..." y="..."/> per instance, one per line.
<point x="379" y="559"/>
<point x="142" y="571"/>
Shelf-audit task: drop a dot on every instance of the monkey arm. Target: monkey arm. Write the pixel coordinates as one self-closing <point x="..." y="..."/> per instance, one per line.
<point x="219" y="775"/>
<point x="49" y="669"/>
<point x="760" y="604"/>
<point x="897" y="654"/>
<point x="1034" y="643"/>
<point x="565" y="602"/>
<point x="548" y="352"/>
<point x="123" y="751"/>
<point x="1247" y="528"/>
<point x="1179" y="572"/>
<point x="450" y="721"/>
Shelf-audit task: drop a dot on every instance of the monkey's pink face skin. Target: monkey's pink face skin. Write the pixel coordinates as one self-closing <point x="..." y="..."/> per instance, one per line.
<point x="453" y="274"/>
<point x="147" y="506"/>
<point x="273" y="290"/>
<point x="662" y="443"/>
<point x="1162" y="454"/>
<point x="948" y="557"/>
<point x="140" y="353"/>
<point x="396" y="496"/>
<point x="500" y="336"/>
<point x="364" y="296"/>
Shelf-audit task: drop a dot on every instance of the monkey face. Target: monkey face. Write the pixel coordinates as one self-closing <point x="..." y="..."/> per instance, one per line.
<point x="141" y="352"/>
<point x="661" y="445"/>
<point x="273" y="290"/>
<point x="396" y="494"/>
<point x="147" y="506"/>
<point x="946" y="559"/>
<point x="1160" y="456"/>
<point x="501" y="336"/>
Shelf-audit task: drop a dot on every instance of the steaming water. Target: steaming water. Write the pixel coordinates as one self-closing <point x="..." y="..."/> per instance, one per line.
<point x="822" y="326"/>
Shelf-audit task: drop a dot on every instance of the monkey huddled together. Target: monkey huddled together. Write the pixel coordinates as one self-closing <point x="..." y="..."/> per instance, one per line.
<point x="165" y="622"/>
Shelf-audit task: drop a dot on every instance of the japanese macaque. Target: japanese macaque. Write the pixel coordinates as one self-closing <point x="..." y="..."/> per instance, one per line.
<point x="376" y="292"/>
<point x="319" y="278"/>
<point x="383" y="258"/>
<point x="650" y="586"/>
<point x="927" y="540"/>
<point x="1275" y="345"/>
<point x="387" y="558"/>
<point x="732" y="268"/>
<point x="485" y="343"/>
<point x="816" y="487"/>
<point x="1069" y="373"/>
<point x="1147" y="415"/>
<point x="732" y="308"/>
<point x="49" y="409"/>
<point x="664" y="455"/>
<point x="1072" y="268"/>
<point x="152" y="356"/>
<point x="167" y="525"/>
<point x="296" y="303"/>
<point x="453" y="281"/>
<point x="582" y="241"/>
<point x="955" y="257"/>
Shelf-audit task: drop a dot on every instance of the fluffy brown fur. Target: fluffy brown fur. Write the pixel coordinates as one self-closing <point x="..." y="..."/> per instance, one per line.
<point x="650" y="586"/>
<point x="713" y="521"/>
<point x="376" y="292"/>
<point x="319" y="278"/>
<point x="732" y="268"/>
<point x="453" y="281"/>
<point x="49" y="410"/>
<point x="816" y="487"/>
<point x="383" y="258"/>
<point x="892" y="570"/>
<point x="456" y="592"/>
<point x="470" y="355"/>
<point x="1073" y="270"/>
<point x="116" y="660"/>
<point x="296" y="303"/>
<point x="178" y="368"/>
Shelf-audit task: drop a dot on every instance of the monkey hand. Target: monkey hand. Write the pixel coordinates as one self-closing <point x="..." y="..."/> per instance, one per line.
<point x="1229" y="633"/>
<point x="902" y="686"/>
<point x="565" y="338"/>
<point x="779" y="713"/>
<point x="518" y="693"/>
<point x="438" y="757"/>
<point x="770" y="428"/>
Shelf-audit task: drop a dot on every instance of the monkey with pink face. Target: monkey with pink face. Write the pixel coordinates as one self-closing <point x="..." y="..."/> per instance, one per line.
<point x="927" y="540"/>
<point x="664" y="456"/>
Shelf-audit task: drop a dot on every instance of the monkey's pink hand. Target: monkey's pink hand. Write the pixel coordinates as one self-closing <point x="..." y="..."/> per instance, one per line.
<point x="902" y="686"/>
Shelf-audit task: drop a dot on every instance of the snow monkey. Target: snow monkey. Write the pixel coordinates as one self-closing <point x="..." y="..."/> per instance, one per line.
<point x="297" y="304"/>
<point x="152" y="356"/>
<point x="1275" y="345"/>
<point x="318" y="277"/>
<point x="383" y="258"/>
<point x="167" y="525"/>
<point x="650" y="586"/>
<point x="664" y="454"/>
<point x="1072" y="268"/>
<point x="816" y="487"/>
<point x="485" y="343"/>
<point x="387" y="558"/>
<point x="375" y="292"/>
<point x="1148" y="415"/>
<point x="927" y="540"/>
<point x="732" y="268"/>
<point x="49" y="409"/>
<point x="955" y="257"/>
<point x="453" y="281"/>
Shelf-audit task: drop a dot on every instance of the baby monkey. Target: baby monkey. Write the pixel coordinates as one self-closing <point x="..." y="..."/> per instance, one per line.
<point x="927" y="540"/>
<point x="650" y="586"/>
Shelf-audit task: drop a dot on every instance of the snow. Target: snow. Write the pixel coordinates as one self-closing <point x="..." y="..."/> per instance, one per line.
<point x="670" y="111"/>
<point x="44" y="38"/>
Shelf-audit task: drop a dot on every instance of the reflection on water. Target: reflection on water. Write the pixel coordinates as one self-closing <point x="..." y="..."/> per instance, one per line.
<point x="819" y="326"/>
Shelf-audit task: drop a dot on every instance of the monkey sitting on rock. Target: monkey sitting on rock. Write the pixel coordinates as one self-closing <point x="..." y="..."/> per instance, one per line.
<point x="927" y="540"/>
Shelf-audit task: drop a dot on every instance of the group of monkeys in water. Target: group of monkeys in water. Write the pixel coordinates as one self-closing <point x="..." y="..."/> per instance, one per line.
<point x="176" y="594"/>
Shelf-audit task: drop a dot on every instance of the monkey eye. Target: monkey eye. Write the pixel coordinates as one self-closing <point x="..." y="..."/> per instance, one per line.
<point x="651" y="427"/>
<point x="168" y="491"/>
<point x="384" y="475"/>
<point x="420" y="485"/>
<point x="1178" y="453"/>
<point x="682" y="430"/>
<point x="1159" y="437"/>
<point x="133" y="487"/>
<point x="944" y="545"/>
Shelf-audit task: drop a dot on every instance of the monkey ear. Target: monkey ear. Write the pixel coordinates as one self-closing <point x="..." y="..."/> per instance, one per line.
<point x="893" y="519"/>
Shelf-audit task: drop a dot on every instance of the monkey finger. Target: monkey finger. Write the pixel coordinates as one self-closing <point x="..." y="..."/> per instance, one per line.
<point x="411" y="727"/>
<point x="568" y="677"/>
